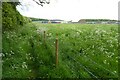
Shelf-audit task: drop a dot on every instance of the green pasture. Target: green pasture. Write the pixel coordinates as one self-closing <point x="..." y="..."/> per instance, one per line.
<point x="84" y="51"/>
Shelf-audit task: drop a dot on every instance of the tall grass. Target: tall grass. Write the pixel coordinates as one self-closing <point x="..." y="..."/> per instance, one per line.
<point x="85" y="51"/>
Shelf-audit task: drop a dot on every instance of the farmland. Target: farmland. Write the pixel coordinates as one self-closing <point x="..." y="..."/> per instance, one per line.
<point x="84" y="51"/>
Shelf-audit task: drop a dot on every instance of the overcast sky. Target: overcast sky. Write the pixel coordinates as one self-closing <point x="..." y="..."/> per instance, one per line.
<point x="71" y="9"/>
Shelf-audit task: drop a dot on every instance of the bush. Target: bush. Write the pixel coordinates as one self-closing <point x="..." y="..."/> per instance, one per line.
<point x="11" y="18"/>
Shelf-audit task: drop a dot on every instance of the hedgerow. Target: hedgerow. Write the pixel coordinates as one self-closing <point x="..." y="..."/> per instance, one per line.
<point x="11" y="18"/>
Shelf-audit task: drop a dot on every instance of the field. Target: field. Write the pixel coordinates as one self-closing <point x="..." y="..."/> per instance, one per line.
<point x="84" y="51"/>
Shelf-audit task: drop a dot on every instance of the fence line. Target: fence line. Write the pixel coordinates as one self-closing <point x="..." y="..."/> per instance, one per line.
<point x="100" y="65"/>
<point x="44" y="36"/>
<point x="84" y="68"/>
<point x="56" y="54"/>
<point x="56" y="58"/>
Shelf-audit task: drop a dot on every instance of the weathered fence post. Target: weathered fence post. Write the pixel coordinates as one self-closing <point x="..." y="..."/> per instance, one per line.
<point x="38" y="38"/>
<point x="44" y="36"/>
<point x="56" y="50"/>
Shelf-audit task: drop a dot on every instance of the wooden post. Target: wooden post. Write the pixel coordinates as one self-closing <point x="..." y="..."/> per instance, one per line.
<point x="56" y="51"/>
<point x="38" y="38"/>
<point x="44" y="36"/>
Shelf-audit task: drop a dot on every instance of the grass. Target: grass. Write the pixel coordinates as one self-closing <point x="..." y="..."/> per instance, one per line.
<point x="85" y="51"/>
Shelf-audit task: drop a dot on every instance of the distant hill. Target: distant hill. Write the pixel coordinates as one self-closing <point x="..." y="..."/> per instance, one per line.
<point x="49" y="21"/>
<point x="98" y="21"/>
<point x="38" y="19"/>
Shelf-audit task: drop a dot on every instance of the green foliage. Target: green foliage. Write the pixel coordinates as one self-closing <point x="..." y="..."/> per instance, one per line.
<point x="26" y="19"/>
<point x="16" y="50"/>
<point x="85" y="51"/>
<point x="93" y="46"/>
<point x="11" y="18"/>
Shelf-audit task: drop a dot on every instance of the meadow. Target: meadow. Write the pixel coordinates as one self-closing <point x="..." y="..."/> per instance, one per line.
<point x="84" y="51"/>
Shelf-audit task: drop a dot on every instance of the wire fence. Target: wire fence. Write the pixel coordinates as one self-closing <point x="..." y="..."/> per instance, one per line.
<point x="50" y="40"/>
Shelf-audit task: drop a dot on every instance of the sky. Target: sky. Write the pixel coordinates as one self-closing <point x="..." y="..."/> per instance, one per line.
<point x="71" y="9"/>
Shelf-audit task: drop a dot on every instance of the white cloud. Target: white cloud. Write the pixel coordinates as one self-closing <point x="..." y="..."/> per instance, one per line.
<point x="73" y="9"/>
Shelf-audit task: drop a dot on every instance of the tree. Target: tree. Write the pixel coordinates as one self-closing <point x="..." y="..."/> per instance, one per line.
<point x="11" y="18"/>
<point x="41" y="2"/>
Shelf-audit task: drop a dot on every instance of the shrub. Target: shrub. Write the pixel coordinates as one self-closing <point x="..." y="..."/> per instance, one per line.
<point x="11" y="18"/>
